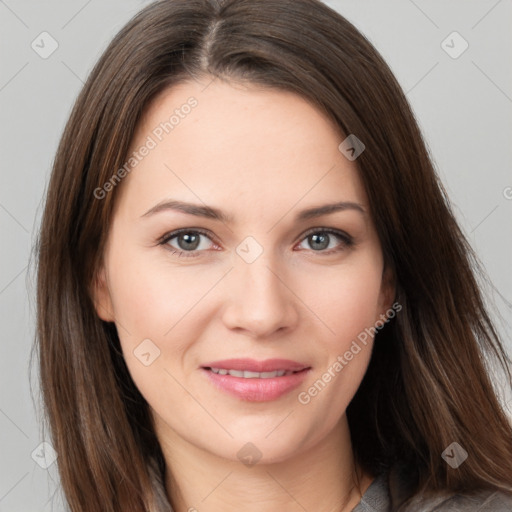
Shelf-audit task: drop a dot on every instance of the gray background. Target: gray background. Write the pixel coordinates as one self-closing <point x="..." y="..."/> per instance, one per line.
<point x="463" y="105"/>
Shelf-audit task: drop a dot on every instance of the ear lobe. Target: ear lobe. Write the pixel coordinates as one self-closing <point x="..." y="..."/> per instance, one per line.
<point x="101" y="297"/>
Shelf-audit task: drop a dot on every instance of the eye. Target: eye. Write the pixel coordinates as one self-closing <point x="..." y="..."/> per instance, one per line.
<point x="187" y="240"/>
<point x="321" y="239"/>
<point x="190" y="242"/>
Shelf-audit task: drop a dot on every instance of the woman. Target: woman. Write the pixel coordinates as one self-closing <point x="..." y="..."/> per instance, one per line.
<point x="252" y="292"/>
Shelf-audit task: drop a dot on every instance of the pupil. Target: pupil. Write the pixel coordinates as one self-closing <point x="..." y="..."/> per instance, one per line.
<point x="190" y="241"/>
<point x="322" y="241"/>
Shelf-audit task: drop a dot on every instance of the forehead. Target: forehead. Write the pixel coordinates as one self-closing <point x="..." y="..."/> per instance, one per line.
<point x="233" y="145"/>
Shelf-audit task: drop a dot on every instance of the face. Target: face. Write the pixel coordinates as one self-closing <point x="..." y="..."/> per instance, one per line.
<point x="221" y="248"/>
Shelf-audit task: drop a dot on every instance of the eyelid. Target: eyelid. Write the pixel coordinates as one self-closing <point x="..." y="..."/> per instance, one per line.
<point x="346" y="239"/>
<point x="333" y="231"/>
<point x="172" y="234"/>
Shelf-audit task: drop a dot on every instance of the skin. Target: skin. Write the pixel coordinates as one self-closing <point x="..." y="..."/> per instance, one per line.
<point x="261" y="156"/>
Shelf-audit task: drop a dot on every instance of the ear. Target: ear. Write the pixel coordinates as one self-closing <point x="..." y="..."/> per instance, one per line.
<point x="101" y="297"/>
<point x="387" y="290"/>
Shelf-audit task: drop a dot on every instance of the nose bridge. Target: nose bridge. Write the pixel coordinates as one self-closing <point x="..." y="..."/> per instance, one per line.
<point x="259" y="301"/>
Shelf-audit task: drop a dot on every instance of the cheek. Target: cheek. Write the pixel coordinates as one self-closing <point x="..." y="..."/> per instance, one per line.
<point x="151" y="298"/>
<point x="348" y="305"/>
<point x="150" y="310"/>
<point x="160" y="303"/>
<point x="347" y="299"/>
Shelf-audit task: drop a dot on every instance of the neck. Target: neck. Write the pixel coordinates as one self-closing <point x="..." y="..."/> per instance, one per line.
<point x="323" y="478"/>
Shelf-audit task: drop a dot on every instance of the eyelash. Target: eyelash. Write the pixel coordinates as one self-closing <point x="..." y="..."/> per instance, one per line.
<point x="346" y="240"/>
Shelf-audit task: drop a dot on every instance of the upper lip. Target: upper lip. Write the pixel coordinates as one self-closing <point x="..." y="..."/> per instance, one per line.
<point x="252" y="365"/>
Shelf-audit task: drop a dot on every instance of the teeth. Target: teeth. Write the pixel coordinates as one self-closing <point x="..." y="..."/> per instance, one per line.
<point x="251" y="375"/>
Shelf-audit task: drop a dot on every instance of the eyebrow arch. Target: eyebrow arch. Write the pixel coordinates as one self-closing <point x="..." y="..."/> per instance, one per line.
<point x="192" y="209"/>
<point x="216" y="214"/>
<point x="311" y="213"/>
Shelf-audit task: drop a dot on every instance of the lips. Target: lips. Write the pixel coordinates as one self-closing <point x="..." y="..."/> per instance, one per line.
<point x="256" y="381"/>
<point x="252" y="365"/>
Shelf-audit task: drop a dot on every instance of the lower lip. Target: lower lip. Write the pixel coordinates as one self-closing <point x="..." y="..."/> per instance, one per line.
<point x="257" y="390"/>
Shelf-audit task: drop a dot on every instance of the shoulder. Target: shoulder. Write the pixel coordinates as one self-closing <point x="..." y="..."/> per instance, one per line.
<point x="160" y="498"/>
<point x="483" y="501"/>
<point x="389" y="492"/>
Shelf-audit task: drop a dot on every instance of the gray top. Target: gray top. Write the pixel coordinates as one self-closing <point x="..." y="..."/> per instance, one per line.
<point x="384" y="495"/>
<point x="387" y="491"/>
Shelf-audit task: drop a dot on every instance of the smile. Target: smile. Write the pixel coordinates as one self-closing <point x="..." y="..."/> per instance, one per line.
<point x="252" y="375"/>
<point x="251" y="386"/>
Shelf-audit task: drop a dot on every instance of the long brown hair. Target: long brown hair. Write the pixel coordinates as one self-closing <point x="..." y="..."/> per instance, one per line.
<point x="428" y="381"/>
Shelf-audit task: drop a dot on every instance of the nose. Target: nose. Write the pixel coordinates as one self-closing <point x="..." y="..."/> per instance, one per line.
<point x="260" y="300"/>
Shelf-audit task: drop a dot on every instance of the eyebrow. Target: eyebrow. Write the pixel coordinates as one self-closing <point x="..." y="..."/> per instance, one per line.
<point x="216" y="214"/>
